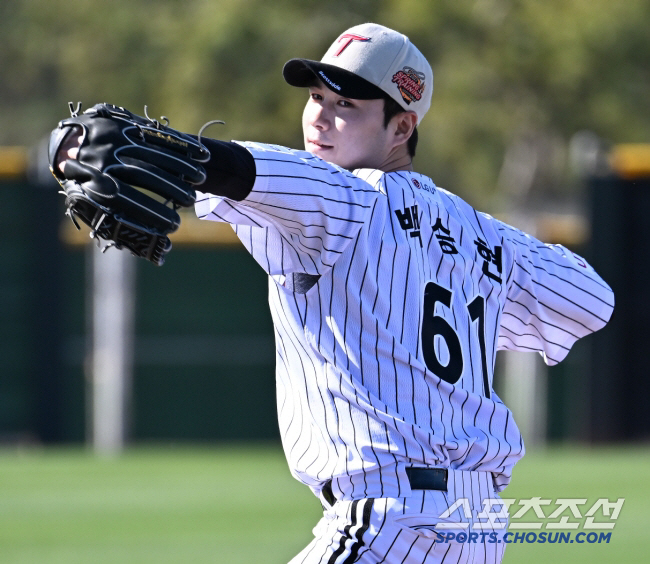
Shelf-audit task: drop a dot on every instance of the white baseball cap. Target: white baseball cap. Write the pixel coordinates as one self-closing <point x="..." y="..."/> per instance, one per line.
<point x="366" y="62"/>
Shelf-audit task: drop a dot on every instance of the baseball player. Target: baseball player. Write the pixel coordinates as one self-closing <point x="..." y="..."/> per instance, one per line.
<point x="390" y="298"/>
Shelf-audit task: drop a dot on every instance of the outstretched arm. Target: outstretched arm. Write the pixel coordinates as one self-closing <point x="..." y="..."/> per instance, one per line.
<point x="309" y="208"/>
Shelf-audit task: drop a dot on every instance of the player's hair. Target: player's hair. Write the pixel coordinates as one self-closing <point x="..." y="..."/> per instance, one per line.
<point x="391" y="109"/>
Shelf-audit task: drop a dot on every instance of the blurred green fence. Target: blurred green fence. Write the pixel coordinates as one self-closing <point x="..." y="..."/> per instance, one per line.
<point x="204" y="353"/>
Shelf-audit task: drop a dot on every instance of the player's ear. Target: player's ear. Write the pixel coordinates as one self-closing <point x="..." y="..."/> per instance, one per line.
<point x="405" y="123"/>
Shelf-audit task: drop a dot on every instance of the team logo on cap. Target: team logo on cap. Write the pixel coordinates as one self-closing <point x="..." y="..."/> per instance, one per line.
<point x="350" y="38"/>
<point x="410" y="83"/>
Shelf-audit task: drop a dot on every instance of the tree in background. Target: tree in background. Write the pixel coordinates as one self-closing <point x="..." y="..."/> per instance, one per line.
<point x="515" y="80"/>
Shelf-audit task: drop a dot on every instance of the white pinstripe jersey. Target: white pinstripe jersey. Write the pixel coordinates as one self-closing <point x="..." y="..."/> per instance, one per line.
<point x="390" y="298"/>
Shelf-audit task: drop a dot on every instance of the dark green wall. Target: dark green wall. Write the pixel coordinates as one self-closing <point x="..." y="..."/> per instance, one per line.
<point x="204" y="358"/>
<point x="204" y="354"/>
<point x="17" y="312"/>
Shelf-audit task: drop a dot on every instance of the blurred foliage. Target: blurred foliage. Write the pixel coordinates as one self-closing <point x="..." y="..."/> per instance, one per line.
<point x="512" y="77"/>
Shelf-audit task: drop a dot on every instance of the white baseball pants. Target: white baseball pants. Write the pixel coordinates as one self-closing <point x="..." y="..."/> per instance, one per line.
<point x="410" y="530"/>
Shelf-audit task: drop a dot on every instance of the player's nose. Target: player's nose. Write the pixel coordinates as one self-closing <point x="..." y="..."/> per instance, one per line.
<point x="318" y="117"/>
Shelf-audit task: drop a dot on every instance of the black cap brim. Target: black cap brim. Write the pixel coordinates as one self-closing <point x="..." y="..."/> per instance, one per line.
<point x="302" y="72"/>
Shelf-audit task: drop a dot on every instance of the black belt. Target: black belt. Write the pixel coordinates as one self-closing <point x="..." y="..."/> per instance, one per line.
<point x="427" y="478"/>
<point x="419" y="479"/>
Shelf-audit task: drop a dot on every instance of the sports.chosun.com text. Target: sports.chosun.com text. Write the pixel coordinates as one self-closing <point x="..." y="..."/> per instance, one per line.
<point x="524" y="537"/>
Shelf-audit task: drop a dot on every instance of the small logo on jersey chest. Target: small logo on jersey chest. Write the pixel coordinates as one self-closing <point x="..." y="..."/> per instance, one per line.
<point x="421" y="185"/>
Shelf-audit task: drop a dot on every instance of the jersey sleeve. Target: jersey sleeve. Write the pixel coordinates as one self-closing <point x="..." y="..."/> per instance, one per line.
<point x="303" y="210"/>
<point x="554" y="298"/>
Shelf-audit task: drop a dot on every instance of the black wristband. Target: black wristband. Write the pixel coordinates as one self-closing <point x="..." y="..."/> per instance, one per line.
<point x="230" y="171"/>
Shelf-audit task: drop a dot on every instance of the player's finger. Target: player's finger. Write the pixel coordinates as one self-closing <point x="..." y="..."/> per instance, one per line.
<point x="69" y="148"/>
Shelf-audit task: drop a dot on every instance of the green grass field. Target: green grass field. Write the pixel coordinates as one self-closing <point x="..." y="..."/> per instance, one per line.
<point x="238" y="504"/>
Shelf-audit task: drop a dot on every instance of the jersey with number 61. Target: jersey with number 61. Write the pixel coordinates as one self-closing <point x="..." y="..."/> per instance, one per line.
<point x="390" y="298"/>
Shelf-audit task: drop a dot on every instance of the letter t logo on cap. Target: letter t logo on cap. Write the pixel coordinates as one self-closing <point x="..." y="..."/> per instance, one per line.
<point x="350" y="38"/>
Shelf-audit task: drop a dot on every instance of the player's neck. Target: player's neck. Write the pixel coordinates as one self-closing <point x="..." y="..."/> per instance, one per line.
<point x="399" y="159"/>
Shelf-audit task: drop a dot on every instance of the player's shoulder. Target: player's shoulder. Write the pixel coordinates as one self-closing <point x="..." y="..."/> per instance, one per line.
<point x="303" y="163"/>
<point x="389" y="183"/>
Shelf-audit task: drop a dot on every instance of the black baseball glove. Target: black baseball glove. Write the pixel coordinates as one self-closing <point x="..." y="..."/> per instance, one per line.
<point x="130" y="176"/>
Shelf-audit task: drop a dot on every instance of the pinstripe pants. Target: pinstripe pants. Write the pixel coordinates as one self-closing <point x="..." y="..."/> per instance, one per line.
<point x="401" y="530"/>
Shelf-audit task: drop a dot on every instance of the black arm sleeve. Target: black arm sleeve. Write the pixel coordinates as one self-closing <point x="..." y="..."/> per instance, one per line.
<point x="230" y="170"/>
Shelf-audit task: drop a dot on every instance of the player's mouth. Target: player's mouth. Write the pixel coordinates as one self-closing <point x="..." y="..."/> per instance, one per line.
<point x="318" y="145"/>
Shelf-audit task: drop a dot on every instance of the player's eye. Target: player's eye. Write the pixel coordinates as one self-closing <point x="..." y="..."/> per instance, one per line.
<point x="345" y="104"/>
<point x="315" y="96"/>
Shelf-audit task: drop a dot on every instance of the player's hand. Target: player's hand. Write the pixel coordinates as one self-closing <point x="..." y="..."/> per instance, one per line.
<point x="125" y="176"/>
<point x="69" y="149"/>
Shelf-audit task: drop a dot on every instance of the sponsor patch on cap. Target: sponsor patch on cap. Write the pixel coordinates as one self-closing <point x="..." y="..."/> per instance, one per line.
<point x="332" y="84"/>
<point x="410" y="84"/>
